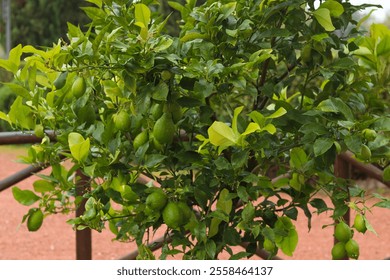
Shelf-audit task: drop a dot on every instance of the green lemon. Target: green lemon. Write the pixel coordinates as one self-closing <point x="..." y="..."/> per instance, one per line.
<point x="39" y="131"/>
<point x="365" y="152"/>
<point x="359" y="224"/>
<point x="164" y="129"/>
<point x="61" y="80"/>
<point x="79" y="86"/>
<point x="186" y="212"/>
<point x="172" y="215"/>
<point x="352" y="248"/>
<point x="122" y="120"/>
<point x="140" y="139"/>
<point x="306" y="54"/>
<point x="338" y="251"/>
<point x="35" y="220"/>
<point x="156" y="200"/>
<point x="369" y="134"/>
<point x="156" y="110"/>
<point x="343" y="232"/>
<point x="268" y="245"/>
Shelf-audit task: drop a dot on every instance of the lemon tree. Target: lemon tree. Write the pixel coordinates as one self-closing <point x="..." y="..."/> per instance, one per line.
<point x="218" y="127"/>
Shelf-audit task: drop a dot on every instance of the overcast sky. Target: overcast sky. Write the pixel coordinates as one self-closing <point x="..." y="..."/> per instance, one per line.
<point x="379" y="13"/>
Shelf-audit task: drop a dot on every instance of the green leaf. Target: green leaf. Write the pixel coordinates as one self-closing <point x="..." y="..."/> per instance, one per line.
<point x="277" y="114"/>
<point x="237" y="111"/>
<point x="298" y="158"/>
<point x="12" y="63"/>
<point x="386" y="174"/>
<point x="79" y="147"/>
<point x="322" y="15"/>
<point x="19" y="90"/>
<point x="142" y="14"/>
<point x="224" y="202"/>
<point x="25" y="197"/>
<point x="289" y="243"/>
<point x="220" y="134"/>
<point x="322" y="145"/>
<point x="228" y="9"/>
<point x="190" y="36"/>
<point x="319" y="204"/>
<point x="213" y="230"/>
<point x="248" y="213"/>
<point x="211" y="248"/>
<point x="160" y="92"/>
<point x="334" y="7"/>
<point x="336" y="105"/>
<point x="43" y="186"/>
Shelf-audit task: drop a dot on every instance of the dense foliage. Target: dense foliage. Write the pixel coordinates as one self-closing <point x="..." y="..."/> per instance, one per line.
<point x="237" y="121"/>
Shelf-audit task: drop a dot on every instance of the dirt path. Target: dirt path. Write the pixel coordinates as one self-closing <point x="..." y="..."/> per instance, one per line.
<point x="56" y="239"/>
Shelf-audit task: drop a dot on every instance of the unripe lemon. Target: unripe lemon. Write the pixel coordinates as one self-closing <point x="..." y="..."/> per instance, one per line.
<point x="156" y="111"/>
<point x="352" y="248"/>
<point x="338" y="251"/>
<point x="359" y="224"/>
<point x="343" y="232"/>
<point x="39" y="131"/>
<point x="185" y="211"/>
<point x="306" y="54"/>
<point x="365" y="152"/>
<point x="35" y="220"/>
<point x="122" y="120"/>
<point x="61" y="80"/>
<point x="156" y="200"/>
<point x="369" y="134"/>
<point x="164" y="129"/>
<point x="79" y="86"/>
<point x="140" y="139"/>
<point x="172" y="215"/>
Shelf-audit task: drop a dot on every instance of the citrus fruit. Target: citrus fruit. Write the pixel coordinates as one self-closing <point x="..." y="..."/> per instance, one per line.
<point x="140" y="139"/>
<point x="156" y="200"/>
<point x="61" y="80"/>
<point x="342" y="232"/>
<point x="338" y="251"/>
<point x="164" y="129"/>
<point x="156" y="111"/>
<point x="306" y="54"/>
<point x="365" y="152"/>
<point x="34" y="221"/>
<point x="369" y="134"/>
<point x="359" y="224"/>
<point x="39" y="131"/>
<point x="185" y="211"/>
<point x="352" y="248"/>
<point x="172" y="215"/>
<point x="268" y="245"/>
<point x="122" y="120"/>
<point x="78" y="88"/>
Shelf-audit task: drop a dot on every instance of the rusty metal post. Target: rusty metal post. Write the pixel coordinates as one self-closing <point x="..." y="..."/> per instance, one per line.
<point x="83" y="237"/>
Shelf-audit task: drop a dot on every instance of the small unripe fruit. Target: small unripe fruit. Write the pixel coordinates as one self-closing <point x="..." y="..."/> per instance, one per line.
<point x="79" y="87"/>
<point x="352" y="248"/>
<point x="164" y="129"/>
<point x="338" y="251"/>
<point x="359" y="224"/>
<point x="365" y="152"/>
<point x="35" y="220"/>
<point x="122" y="120"/>
<point x="343" y="232"/>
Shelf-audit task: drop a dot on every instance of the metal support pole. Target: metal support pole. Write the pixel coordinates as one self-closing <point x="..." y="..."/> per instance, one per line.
<point x="6" y="14"/>
<point x="83" y="237"/>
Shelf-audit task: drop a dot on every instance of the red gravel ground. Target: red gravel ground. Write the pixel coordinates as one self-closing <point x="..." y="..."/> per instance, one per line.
<point x="56" y="239"/>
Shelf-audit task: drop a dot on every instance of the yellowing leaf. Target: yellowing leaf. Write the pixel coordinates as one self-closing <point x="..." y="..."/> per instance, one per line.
<point x="79" y="147"/>
<point x="142" y="15"/>
<point x="220" y="134"/>
<point x="322" y="15"/>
